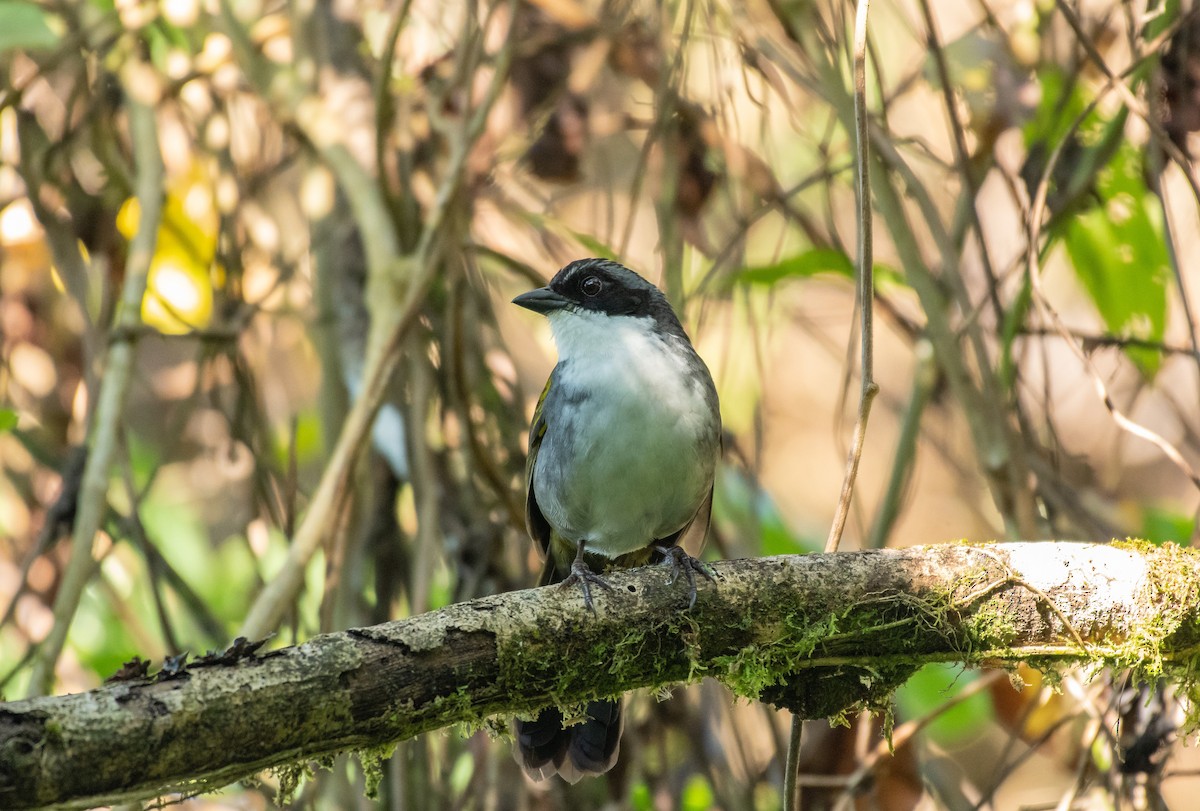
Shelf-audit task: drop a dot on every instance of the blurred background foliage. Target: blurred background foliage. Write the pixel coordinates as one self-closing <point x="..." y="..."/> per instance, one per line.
<point x="330" y="167"/>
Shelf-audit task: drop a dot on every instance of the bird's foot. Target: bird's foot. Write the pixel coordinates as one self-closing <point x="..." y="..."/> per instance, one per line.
<point x="681" y="562"/>
<point x="582" y="576"/>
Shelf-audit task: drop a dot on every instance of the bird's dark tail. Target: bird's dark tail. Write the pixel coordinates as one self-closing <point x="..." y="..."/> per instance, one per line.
<point x="546" y="747"/>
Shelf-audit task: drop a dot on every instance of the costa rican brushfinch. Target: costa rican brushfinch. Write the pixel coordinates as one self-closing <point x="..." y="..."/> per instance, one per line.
<point x="622" y="454"/>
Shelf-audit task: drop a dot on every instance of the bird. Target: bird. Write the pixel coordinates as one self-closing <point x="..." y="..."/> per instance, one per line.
<point x="623" y="451"/>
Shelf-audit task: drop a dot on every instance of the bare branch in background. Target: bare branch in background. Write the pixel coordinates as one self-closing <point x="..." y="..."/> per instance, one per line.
<point x="113" y="387"/>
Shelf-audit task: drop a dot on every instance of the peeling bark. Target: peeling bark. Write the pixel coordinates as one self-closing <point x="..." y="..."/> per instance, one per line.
<point x="820" y="634"/>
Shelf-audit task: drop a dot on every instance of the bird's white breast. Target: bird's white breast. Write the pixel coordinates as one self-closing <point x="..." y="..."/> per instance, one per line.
<point x="629" y="456"/>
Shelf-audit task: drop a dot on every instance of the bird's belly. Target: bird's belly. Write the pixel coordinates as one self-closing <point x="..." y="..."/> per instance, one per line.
<point x="642" y="478"/>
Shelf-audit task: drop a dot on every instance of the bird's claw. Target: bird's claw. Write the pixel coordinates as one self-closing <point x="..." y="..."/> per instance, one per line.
<point x="681" y="562"/>
<point x="582" y="576"/>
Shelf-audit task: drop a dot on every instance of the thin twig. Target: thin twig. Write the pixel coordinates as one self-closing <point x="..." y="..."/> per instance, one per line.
<point x="110" y="400"/>
<point x="1090" y="341"/>
<point x="866" y="277"/>
<point x="866" y="296"/>
<point x="791" y="788"/>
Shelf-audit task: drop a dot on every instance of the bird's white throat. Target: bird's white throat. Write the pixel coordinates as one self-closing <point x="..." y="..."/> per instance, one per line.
<point x="580" y="334"/>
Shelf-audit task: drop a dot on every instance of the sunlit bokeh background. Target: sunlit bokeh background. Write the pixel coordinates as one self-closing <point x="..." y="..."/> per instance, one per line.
<point x="707" y="145"/>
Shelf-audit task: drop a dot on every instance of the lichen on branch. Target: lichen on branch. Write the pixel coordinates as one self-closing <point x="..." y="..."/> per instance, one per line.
<point x="822" y="635"/>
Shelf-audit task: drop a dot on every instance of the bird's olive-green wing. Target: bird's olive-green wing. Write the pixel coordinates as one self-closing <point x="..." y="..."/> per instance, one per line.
<point x="536" y="523"/>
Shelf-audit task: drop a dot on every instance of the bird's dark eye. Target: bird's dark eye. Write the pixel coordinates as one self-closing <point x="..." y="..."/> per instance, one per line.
<point x="591" y="286"/>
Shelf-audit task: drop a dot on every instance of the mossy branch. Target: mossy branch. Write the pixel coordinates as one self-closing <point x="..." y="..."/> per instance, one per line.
<point x="819" y="634"/>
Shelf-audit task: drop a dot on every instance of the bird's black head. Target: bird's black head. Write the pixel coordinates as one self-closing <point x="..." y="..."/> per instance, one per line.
<point x="607" y="287"/>
<point x="602" y="286"/>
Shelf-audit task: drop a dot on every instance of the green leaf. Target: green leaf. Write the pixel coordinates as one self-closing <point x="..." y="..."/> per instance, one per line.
<point x="811" y="263"/>
<point x="1167" y="15"/>
<point x="1014" y="319"/>
<point x="1160" y="525"/>
<point x="1060" y="104"/>
<point x="8" y="420"/>
<point x="460" y="774"/>
<point x="144" y="458"/>
<point x="546" y="223"/>
<point x="98" y="636"/>
<point x="1088" y="148"/>
<point x="739" y="502"/>
<point x="598" y="248"/>
<point x="1103" y="212"/>
<point x="697" y="795"/>
<point x="25" y="26"/>
<point x="804" y="265"/>
<point x="930" y="688"/>
<point x="1119" y="253"/>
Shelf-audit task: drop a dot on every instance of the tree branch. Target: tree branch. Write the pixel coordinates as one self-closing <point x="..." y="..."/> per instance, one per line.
<point x="819" y="634"/>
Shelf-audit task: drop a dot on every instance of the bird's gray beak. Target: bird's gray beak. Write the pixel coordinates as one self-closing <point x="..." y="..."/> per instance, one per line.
<point x="543" y="300"/>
